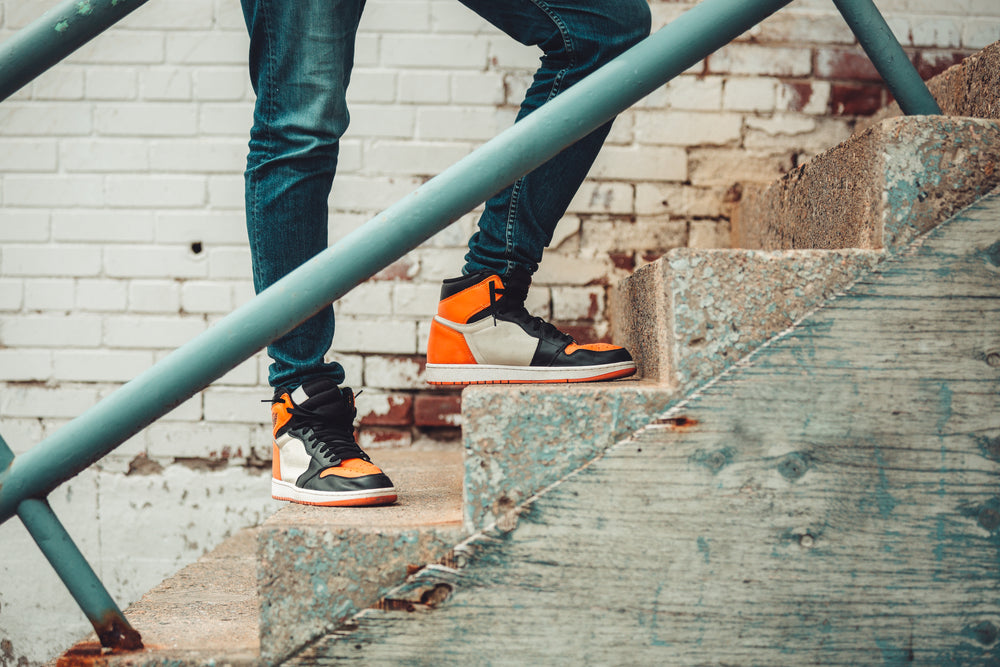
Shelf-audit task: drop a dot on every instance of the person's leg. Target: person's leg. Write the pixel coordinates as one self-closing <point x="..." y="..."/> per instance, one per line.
<point x="301" y="54"/>
<point x="482" y="333"/>
<point x="576" y="38"/>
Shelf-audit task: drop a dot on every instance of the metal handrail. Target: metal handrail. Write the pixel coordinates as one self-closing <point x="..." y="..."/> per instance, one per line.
<point x="27" y="479"/>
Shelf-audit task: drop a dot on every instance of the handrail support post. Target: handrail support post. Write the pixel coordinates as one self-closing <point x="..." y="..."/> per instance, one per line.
<point x="886" y="53"/>
<point x="110" y="624"/>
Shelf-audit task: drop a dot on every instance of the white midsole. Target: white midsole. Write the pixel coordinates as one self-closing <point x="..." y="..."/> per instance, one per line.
<point x="286" y="490"/>
<point x="470" y="373"/>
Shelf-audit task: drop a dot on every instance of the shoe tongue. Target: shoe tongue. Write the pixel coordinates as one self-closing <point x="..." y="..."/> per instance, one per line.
<point x="515" y="291"/>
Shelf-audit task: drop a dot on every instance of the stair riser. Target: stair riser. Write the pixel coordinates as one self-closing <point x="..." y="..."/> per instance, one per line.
<point x="692" y="314"/>
<point x="518" y="440"/>
<point x="313" y="578"/>
<point x="879" y="189"/>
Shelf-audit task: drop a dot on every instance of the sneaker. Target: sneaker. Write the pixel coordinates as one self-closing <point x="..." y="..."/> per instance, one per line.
<point x="316" y="459"/>
<point x="482" y="334"/>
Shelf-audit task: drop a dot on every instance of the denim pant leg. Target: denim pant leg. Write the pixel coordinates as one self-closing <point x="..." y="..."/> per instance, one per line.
<point x="576" y="37"/>
<point x="301" y="55"/>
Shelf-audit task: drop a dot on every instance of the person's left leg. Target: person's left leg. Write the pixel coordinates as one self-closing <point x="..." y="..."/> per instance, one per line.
<point x="300" y="59"/>
<point x="482" y="332"/>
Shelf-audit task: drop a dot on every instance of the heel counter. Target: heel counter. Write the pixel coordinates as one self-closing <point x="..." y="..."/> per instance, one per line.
<point x="447" y="346"/>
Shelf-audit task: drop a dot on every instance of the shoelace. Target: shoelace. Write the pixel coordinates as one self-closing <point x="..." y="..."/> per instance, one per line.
<point x="335" y="440"/>
<point x="536" y="325"/>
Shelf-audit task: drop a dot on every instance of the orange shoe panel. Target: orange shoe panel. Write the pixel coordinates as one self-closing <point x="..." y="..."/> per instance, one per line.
<point x="279" y="413"/>
<point x="447" y="346"/>
<point x="593" y="347"/>
<point x="352" y="468"/>
<point x="460" y="307"/>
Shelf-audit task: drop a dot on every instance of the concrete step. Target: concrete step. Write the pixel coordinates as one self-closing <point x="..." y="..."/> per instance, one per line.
<point x="205" y="614"/>
<point x="519" y="439"/>
<point x="693" y="313"/>
<point x="877" y="190"/>
<point x="270" y="589"/>
<point x="306" y="570"/>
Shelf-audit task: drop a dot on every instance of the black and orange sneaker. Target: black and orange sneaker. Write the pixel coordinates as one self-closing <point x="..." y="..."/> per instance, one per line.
<point x="483" y="334"/>
<point x="316" y="458"/>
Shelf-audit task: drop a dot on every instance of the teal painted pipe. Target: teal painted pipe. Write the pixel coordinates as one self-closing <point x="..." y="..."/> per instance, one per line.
<point x="79" y="578"/>
<point x="55" y="35"/>
<point x="569" y="117"/>
<point x="572" y="115"/>
<point x="887" y="55"/>
<point x="109" y="623"/>
<point x="6" y="455"/>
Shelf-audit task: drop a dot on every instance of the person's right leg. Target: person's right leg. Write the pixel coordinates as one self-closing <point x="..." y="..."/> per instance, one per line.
<point x="301" y="55"/>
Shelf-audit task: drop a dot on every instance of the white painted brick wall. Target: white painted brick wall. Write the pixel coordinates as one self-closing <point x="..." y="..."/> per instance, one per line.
<point x="121" y="191"/>
<point x="121" y="184"/>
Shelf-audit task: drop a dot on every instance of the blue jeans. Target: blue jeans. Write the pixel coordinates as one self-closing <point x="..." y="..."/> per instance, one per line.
<point x="301" y="56"/>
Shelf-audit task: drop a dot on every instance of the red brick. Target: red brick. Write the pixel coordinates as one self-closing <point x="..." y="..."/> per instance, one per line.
<point x="651" y="256"/>
<point x="856" y="99"/>
<point x="799" y="94"/>
<point x="382" y="436"/>
<point x="437" y="409"/>
<point x="623" y="260"/>
<point x="400" y="412"/>
<point x="932" y="63"/>
<point x="844" y="64"/>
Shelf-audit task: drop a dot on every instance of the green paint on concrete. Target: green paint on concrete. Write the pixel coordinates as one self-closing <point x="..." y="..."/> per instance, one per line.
<point x="714" y="460"/>
<point x="794" y="465"/>
<point x="704" y="549"/>
<point x="992" y="254"/>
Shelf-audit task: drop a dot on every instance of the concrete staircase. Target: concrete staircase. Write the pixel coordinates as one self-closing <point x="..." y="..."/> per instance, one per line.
<point x="834" y="499"/>
<point x="689" y="317"/>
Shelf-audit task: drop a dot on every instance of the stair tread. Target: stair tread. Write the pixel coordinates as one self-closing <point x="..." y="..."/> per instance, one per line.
<point x="429" y="484"/>
<point x="209" y="610"/>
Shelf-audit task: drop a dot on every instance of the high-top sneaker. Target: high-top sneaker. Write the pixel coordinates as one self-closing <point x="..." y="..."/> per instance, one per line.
<point x="483" y="334"/>
<point x="316" y="459"/>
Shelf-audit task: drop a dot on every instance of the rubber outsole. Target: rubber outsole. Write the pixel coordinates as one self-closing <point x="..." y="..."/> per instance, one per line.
<point x="281" y="490"/>
<point x="454" y="374"/>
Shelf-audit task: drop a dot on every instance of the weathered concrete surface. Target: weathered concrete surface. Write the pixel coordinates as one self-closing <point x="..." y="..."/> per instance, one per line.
<point x="319" y="566"/>
<point x="833" y="501"/>
<point x="969" y="88"/>
<point x="134" y="529"/>
<point x="521" y="438"/>
<point x="693" y="313"/>
<point x="300" y="573"/>
<point x="878" y="189"/>
<point x="204" y="614"/>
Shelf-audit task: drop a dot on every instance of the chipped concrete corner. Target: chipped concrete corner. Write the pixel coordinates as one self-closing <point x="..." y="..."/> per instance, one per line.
<point x="311" y="578"/>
